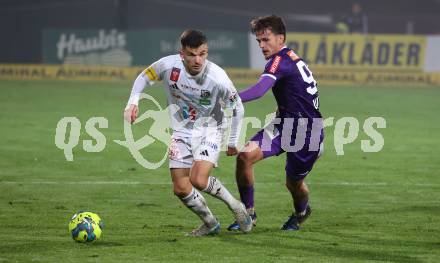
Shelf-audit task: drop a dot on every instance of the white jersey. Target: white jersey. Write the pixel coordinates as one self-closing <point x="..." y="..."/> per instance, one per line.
<point x="204" y="95"/>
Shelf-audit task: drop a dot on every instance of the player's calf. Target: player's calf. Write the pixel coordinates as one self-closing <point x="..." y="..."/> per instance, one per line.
<point x="197" y="204"/>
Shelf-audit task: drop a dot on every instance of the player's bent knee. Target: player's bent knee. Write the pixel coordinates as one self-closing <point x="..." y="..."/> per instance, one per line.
<point x="181" y="192"/>
<point x="198" y="181"/>
<point x="250" y="154"/>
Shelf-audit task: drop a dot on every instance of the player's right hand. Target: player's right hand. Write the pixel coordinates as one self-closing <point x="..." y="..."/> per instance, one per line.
<point x="232" y="150"/>
<point x="130" y="113"/>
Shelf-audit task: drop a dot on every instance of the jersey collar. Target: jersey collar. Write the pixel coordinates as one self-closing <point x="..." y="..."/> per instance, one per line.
<point x="284" y="47"/>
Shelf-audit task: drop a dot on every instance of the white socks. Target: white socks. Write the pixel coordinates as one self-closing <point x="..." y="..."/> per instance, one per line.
<point x="216" y="189"/>
<point x="196" y="203"/>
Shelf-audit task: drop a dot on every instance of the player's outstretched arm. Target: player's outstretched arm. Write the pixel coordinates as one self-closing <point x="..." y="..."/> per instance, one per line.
<point x="131" y="110"/>
<point x="258" y="90"/>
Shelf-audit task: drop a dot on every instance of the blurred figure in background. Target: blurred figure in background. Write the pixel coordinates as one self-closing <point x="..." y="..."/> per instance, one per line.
<point x="355" y="22"/>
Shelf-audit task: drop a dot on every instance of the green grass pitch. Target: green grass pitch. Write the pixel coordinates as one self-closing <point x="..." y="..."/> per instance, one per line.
<point x="376" y="207"/>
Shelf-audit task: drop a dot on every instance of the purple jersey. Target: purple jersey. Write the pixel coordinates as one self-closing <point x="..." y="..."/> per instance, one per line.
<point x="296" y="93"/>
<point x="295" y="89"/>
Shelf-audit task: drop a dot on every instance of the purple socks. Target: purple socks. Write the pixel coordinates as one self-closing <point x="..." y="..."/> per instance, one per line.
<point x="301" y="206"/>
<point x="247" y="195"/>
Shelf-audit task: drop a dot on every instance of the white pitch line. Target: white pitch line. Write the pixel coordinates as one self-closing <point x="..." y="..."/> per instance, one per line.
<point x="260" y="184"/>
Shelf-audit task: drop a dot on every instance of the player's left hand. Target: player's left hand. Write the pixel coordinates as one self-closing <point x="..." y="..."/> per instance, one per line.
<point x="231" y="151"/>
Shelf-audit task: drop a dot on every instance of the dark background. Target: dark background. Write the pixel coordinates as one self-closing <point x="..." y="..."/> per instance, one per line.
<point x="22" y="21"/>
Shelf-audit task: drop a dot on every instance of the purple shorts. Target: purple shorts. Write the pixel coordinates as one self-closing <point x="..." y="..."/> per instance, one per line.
<point x="300" y="160"/>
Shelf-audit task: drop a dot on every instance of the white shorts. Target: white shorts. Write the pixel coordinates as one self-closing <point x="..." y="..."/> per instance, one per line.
<point x="184" y="150"/>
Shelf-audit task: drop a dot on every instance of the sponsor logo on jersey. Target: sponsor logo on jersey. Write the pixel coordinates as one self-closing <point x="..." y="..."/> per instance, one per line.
<point x="205" y="102"/>
<point x="151" y="73"/>
<point x="188" y="87"/>
<point x="275" y="63"/>
<point x="174" y="86"/>
<point x="175" y="73"/>
<point x="205" y="97"/>
<point x="205" y="93"/>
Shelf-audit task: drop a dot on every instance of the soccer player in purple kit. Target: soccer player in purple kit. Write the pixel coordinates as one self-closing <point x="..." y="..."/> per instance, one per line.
<point x="298" y="121"/>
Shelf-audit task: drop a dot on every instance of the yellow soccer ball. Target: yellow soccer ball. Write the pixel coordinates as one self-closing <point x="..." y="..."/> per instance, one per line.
<point x="85" y="227"/>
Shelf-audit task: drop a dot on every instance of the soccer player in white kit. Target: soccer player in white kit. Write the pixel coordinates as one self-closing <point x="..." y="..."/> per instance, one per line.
<point x="202" y="91"/>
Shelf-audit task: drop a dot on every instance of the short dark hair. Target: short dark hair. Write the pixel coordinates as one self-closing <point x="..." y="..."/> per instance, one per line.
<point x="272" y="22"/>
<point x="192" y="38"/>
